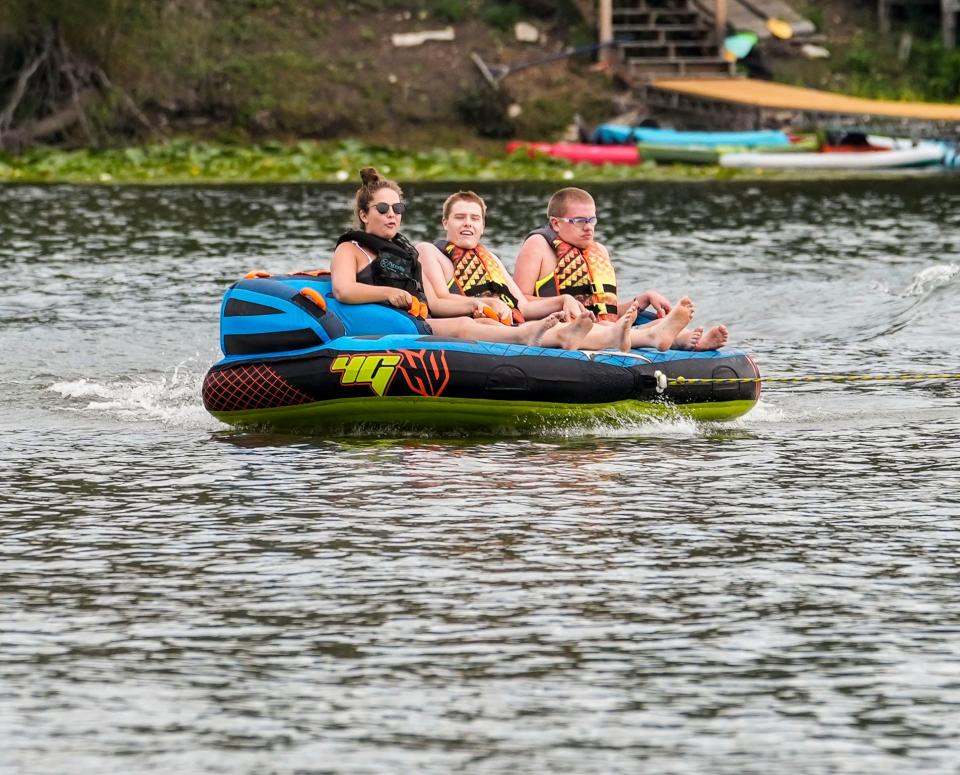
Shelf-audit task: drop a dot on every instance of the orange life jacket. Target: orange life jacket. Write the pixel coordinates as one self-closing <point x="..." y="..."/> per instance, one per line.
<point x="477" y="272"/>
<point x="585" y="274"/>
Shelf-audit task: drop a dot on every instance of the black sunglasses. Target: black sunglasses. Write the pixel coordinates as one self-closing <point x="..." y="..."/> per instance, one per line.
<point x="383" y="207"/>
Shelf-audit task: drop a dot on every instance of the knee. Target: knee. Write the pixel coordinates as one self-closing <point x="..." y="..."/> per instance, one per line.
<point x="462" y="327"/>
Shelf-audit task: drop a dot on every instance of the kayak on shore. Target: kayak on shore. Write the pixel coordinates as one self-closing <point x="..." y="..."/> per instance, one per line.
<point x="579" y="152"/>
<point x="619" y="134"/>
<point x="921" y="156"/>
<point x="710" y="154"/>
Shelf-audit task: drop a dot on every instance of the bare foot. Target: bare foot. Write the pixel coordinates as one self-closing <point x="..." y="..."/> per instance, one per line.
<point x="624" y="325"/>
<point x="688" y="338"/>
<point x="631" y="312"/>
<point x="673" y="324"/>
<point x="617" y="335"/>
<point x="568" y="336"/>
<point x="531" y="333"/>
<point x="713" y="339"/>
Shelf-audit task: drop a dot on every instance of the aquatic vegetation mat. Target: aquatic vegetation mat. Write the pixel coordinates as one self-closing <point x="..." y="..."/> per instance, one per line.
<point x="309" y="161"/>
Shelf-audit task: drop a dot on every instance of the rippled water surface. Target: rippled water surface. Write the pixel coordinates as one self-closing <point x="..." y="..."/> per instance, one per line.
<point x="777" y="594"/>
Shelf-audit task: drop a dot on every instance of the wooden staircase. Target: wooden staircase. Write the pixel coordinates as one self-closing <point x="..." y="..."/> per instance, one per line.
<point x="668" y="38"/>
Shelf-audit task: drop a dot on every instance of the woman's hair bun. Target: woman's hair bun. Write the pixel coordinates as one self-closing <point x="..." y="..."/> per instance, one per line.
<point x="369" y="175"/>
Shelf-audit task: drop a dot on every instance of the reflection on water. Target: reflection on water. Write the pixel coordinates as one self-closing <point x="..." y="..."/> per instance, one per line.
<point x="774" y="594"/>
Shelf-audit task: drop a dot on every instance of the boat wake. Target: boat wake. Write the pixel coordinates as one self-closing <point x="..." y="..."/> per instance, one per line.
<point x="918" y="309"/>
<point x="931" y="278"/>
<point x="675" y="425"/>
<point x="172" y="398"/>
<point x="612" y="427"/>
<point x="764" y="413"/>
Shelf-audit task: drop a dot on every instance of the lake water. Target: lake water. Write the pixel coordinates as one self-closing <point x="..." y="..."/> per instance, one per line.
<point x="774" y="595"/>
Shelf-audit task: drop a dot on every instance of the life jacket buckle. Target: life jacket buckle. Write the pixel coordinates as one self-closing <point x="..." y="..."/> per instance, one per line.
<point x="418" y="309"/>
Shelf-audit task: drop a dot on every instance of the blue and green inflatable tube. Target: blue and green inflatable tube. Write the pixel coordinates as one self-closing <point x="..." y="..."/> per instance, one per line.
<point x="295" y="359"/>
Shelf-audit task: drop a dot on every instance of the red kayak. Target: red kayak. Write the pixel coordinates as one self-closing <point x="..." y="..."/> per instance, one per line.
<point x="580" y="152"/>
<point x="851" y="148"/>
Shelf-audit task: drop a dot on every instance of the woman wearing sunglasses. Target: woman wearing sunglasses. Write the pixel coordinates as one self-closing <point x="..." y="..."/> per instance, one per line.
<point x="375" y="263"/>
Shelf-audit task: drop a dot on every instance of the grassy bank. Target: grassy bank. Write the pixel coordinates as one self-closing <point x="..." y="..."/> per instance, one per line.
<point x="185" y="161"/>
<point x="239" y="71"/>
<point x="114" y="73"/>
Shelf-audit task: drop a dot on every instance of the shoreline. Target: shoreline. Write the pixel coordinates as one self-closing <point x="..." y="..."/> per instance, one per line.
<point x="186" y="162"/>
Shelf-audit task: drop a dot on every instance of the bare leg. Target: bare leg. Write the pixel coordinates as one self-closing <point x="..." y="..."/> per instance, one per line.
<point x="468" y="328"/>
<point x="567" y="336"/>
<point x="713" y="339"/>
<point x="661" y="335"/>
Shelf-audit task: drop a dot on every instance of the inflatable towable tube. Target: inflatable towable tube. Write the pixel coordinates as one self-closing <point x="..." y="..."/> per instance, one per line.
<point x="296" y="359"/>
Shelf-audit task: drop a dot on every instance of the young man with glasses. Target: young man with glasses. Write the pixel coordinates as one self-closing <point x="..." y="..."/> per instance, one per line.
<point x="468" y="278"/>
<point x="563" y="258"/>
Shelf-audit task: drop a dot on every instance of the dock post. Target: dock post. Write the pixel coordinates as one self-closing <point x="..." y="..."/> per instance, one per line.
<point x="605" y="27"/>
<point x="883" y="15"/>
<point x="948" y="11"/>
<point x="720" y="20"/>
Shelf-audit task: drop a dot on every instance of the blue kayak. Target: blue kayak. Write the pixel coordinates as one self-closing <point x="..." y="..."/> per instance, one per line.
<point x="621" y="134"/>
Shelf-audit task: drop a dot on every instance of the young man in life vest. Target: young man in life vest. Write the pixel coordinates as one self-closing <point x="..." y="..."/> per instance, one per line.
<point x="562" y="258"/>
<point x="472" y="280"/>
